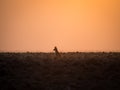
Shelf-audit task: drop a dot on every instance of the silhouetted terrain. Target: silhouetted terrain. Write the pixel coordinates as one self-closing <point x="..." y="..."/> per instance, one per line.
<point x="72" y="71"/>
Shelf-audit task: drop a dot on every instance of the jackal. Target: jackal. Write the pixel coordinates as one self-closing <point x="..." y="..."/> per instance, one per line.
<point x="56" y="51"/>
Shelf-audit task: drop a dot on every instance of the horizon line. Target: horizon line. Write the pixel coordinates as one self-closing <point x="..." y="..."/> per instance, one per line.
<point x="59" y="51"/>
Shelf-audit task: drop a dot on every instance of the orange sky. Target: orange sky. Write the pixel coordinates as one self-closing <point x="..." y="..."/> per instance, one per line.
<point x="72" y="25"/>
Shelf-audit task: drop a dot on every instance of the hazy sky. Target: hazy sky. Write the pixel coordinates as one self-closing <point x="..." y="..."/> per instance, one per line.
<point x="72" y="25"/>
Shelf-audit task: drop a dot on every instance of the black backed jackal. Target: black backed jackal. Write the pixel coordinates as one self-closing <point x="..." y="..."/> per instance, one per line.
<point x="56" y="52"/>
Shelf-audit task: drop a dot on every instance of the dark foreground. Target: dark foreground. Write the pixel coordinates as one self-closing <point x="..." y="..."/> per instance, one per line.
<point x="73" y="71"/>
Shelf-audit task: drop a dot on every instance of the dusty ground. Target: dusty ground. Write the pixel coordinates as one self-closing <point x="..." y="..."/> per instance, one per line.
<point x="72" y="71"/>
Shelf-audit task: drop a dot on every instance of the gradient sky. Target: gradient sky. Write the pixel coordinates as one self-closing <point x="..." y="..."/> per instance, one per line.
<point x="71" y="25"/>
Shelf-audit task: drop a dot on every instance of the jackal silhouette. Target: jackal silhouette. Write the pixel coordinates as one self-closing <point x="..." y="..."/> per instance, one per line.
<point x="56" y="52"/>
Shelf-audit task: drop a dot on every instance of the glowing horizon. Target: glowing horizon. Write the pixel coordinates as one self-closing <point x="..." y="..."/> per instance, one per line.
<point x="71" y="25"/>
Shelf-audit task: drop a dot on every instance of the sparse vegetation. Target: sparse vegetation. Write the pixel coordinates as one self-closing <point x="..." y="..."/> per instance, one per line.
<point x="72" y="71"/>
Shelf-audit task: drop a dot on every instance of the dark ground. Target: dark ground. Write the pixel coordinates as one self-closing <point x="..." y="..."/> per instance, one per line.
<point x="73" y="71"/>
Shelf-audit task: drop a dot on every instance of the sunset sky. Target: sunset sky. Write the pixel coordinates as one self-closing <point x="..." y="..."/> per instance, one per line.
<point x="71" y="25"/>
